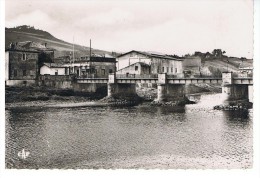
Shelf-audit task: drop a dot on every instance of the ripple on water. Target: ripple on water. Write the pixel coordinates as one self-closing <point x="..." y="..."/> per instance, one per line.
<point x="194" y="136"/>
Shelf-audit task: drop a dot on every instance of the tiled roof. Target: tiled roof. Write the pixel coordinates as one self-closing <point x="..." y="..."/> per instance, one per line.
<point x="163" y="56"/>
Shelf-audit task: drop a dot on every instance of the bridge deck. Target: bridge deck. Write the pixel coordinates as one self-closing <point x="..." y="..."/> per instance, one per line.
<point x="243" y="81"/>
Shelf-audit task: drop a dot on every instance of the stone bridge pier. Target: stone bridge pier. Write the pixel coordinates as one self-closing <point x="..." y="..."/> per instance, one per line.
<point x="235" y="92"/>
<point x="169" y="92"/>
<point x="119" y="90"/>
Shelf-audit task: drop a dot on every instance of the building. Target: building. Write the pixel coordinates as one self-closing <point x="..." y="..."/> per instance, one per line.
<point x="52" y="69"/>
<point x="245" y="70"/>
<point x="21" y="67"/>
<point x="158" y="63"/>
<point x="139" y="68"/>
<point x="22" y="61"/>
<point x="191" y="66"/>
<point x="94" y="66"/>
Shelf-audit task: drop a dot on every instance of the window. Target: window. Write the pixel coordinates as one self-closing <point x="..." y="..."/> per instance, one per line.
<point x="103" y="71"/>
<point x="176" y="70"/>
<point x="136" y="68"/>
<point x="158" y="69"/>
<point x="24" y="72"/>
<point x="162" y="69"/>
<point x="24" y="57"/>
<point x="167" y="69"/>
<point x="171" y="69"/>
<point x="110" y="71"/>
<point x="15" y="73"/>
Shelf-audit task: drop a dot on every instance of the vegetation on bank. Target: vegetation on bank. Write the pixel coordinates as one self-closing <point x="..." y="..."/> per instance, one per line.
<point x="25" y="94"/>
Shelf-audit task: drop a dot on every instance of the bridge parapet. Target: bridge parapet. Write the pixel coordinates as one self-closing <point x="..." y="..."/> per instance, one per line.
<point x="227" y="78"/>
<point x="112" y="78"/>
<point x="162" y="78"/>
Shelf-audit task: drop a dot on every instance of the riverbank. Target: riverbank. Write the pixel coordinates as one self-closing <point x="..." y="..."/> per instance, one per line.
<point x="44" y="97"/>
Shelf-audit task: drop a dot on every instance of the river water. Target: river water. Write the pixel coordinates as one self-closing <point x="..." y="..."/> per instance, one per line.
<point x="144" y="136"/>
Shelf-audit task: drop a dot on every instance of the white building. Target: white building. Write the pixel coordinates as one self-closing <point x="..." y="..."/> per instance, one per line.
<point x="52" y="69"/>
<point x="158" y="63"/>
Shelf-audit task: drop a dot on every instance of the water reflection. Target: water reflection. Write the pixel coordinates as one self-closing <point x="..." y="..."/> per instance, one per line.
<point x="142" y="136"/>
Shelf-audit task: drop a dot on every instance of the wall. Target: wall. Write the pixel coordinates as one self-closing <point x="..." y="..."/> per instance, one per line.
<point x="66" y="82"/>
<point x="51" y="71"/>
<point x="131" y="58"/>
<point x="101" y="69"/>
<point x="17" y="66"/>
<point x="251" y="93"/>
<point x="6" y="65"/>
<point x="159" y="65"/>
<point x="121" y="90"/>
<point x="175" y="92"/>
<point x="88" y="87"/>
<point x="142" y="69"/>
<point x="235" y="92"/>
<point x="55" y="81"/>
<point x="20" y="82"/>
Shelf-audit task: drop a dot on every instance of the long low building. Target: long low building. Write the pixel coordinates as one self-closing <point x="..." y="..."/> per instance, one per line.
<point x="158" y="63"/>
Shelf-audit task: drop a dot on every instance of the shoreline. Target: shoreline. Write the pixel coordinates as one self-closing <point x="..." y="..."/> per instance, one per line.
<point x="39" y="97"/>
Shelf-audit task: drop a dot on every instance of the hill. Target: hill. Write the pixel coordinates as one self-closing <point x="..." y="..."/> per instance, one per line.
<point x="28" y="33"/>
<point x="216" y="62"/>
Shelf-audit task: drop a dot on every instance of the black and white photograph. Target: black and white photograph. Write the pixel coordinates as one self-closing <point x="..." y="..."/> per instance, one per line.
<point x="129" y="85"/>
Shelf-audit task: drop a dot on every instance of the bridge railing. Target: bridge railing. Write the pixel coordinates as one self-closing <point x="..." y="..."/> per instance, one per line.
<point x="88" y="76"/>
<point x="137" y="76"/>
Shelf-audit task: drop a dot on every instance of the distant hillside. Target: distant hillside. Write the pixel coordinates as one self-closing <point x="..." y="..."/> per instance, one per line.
<point x="28" y="33"/>
<point x="216" y="62"/>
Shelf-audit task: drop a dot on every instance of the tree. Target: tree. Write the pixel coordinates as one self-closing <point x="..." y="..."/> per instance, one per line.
<point x="217" y="53"/>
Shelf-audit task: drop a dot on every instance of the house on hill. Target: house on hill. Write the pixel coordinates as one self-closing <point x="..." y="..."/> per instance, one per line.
<point x="137" y="62"/>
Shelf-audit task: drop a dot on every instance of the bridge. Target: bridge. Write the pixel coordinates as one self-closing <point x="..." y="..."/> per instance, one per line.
<point x="172" y="88"/>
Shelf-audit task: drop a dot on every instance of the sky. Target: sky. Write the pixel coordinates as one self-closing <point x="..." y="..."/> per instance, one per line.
<point x="170" y="27"/>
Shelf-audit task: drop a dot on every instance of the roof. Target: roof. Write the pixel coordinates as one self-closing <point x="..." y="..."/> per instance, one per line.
<point x="149" y="54"/>
<point x="97" y="59"/>
<point x="141" y="63"/>
<point x="53" y="65"/>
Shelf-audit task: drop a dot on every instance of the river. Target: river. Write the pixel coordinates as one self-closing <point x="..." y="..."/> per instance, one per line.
<point x="143" y="136"/>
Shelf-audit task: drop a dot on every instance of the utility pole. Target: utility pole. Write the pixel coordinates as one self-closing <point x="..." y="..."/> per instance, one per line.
<point x="90" y="57"/>
<point x="90" y="50"/>
<point x="73" y="56"/>
<point x="227" y="65"/>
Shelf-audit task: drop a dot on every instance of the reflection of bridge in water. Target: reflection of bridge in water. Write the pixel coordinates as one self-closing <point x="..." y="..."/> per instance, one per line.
<point x="171" y="88"/>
